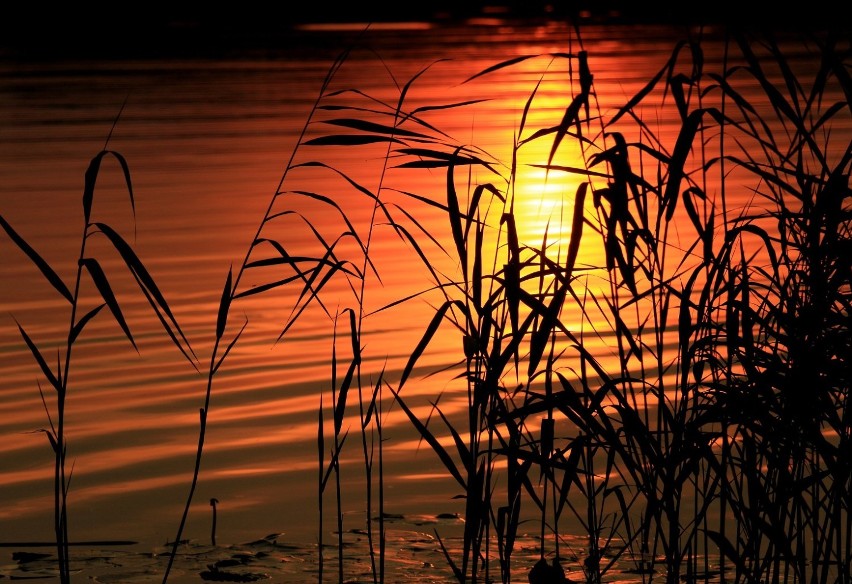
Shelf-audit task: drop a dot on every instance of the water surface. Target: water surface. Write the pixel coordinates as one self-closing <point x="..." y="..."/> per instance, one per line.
<point x="207" y="142"/>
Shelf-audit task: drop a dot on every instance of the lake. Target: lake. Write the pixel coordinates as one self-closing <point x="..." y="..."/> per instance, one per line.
<point x="207" y="142"/>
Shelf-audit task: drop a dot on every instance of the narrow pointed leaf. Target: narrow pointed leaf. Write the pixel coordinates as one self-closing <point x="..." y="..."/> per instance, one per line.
<point x="576" y="228"/>
<point x="150" y="289"/>
<point x="78" y="327"/>
<point x="349" y="140"/>
<point x="224" y="306"/>
<point x="230" y="346"/>
<point x="432" y="440"/>
<point x="53" y="379"/>
<point x="100" y="280"/>
<point x="91" y="177"/>
<point x="427" y="338"/>
<point x="636" y="99"/>
<point x="40" y="263"/>
<point x="509" y="63"/>
<point x="683" y="146"/>
<point x="374" y="128"/>
<point x="455" y="218"/>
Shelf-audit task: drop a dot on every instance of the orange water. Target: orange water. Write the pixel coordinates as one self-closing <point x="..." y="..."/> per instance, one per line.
<point x="207" y="142"/>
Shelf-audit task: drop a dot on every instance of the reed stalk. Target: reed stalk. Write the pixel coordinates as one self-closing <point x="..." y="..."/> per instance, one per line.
<point x="713" y="314"/>
<point x="679" y="398"/>
<point x="255" y="259"/>
<point x="90" y="281"/>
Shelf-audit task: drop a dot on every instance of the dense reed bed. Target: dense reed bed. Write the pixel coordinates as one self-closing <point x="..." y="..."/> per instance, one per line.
<point x="652" y="370"/>
<point x="680" y="397"/>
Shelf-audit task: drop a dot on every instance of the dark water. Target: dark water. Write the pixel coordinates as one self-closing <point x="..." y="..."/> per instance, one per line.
<point x="207" y="141"/>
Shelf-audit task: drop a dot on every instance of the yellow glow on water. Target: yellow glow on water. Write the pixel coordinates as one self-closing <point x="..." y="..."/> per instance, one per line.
<point x="545" y="205"/>
<point x="204" y="179"/>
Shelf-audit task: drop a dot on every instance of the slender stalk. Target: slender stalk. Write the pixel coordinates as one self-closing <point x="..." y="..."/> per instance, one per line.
<point x="230" y="294"/>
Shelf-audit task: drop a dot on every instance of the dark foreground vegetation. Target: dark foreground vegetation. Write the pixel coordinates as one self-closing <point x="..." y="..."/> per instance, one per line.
<point x="680" y="403"/>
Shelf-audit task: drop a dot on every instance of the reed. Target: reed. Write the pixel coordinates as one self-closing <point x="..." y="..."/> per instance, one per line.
<point x="661" y="371"/>
<point x="90" y="293"/>
<point x="268" y="256"/>
<point x="708" y="438"/>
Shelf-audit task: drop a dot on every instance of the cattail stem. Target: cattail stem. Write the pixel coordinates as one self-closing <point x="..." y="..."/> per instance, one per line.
<point x="213" y="529"/>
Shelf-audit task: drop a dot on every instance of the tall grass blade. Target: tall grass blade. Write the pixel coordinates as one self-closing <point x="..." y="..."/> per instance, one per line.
<point x="82" y="322"/>
<point x="45" y="368"/>
<point x="91" y="178"/>
<point x="431" y="329"/>
<point x="150" y="289"/>
<point x="224" y="305"/>
<point x="432" y="440"/>
<point x="100" y="280"/>
<point x="39" y="262"/>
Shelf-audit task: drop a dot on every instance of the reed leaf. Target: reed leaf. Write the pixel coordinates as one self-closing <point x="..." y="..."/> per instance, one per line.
<point x="461" y="447"/>
<point x="224" y="305"/>
<point x="371" y="407"/>
<point x="374" y="128"/>
<point x="569" y="119"/>
<point x="342" y="394"/>
<point x="572" y="170"/>
<point x="45" y="368"/>
<point x="576" y="229"/>
<point x="514" y="61"/>
<point x="91" y="178"/>
<point x="360" y="188"/>
<point x="784" y="109"/>
<point x="431" y="329"/>
<point x="350" y="140"/>
<point x="227" y="350"/>
<point x="540" y="335"/>
<point x="683" y="146"/>
<point x="457" y="572"/>
<point x="432" y="440"/>
<point x="334" y="461"/>
<point x="405" y="234"/>
<point x="259" y="289"/>
<point x="39" y="262"/>
<point x="102" y="283"/>
<point x="431" y="158"/>
<point x="340" y="213"/>
<point x="666" y="70"/>
<point x="512" y="272"/>
<point x="150" y="289"/>
<point x="441" y="107"/>
<point x="81" y="323"/>
<point x="455" y="218"/>
<point x="476" y="275"/>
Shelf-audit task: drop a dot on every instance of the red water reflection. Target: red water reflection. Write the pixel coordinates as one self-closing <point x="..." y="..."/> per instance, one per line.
<point x="207" y="144"/>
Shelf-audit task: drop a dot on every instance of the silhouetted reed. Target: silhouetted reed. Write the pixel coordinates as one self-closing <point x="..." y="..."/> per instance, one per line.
<point x="265" y="252"/>
<point x="661" y="373"/>
<point x="90" y="293"/>
<point x="709" y="437"/>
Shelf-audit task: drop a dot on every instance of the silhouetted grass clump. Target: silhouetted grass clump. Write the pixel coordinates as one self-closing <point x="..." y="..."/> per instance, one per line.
<point x="683" y="399"/>
<point x="662" y="370"/>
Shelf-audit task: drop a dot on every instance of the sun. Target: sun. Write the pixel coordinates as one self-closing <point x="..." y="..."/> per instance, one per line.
<point x="544" y="207"/>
